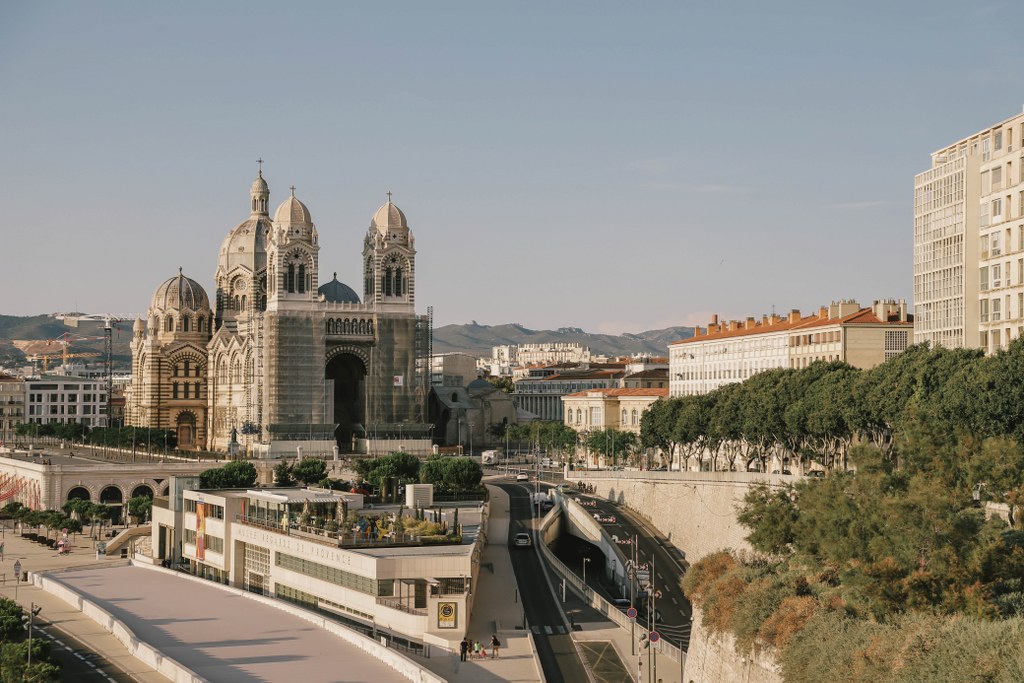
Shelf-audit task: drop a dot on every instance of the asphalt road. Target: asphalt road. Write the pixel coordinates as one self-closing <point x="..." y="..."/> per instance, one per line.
<point x="555" y="647"/>
<point x="674" y="609"/>
<point x="78" y="663"/>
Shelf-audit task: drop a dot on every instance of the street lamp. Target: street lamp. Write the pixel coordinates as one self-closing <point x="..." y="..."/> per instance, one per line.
<point x="586" y="560"/>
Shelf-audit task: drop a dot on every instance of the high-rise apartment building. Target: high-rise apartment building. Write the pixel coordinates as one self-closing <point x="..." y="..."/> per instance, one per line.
<point x="969" y="241"/>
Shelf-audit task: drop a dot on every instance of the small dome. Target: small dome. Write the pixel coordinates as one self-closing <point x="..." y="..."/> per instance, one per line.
<point x="389" y="217"/>
<point x="292" y="212"/>
<point x="338" y="292"/>
<point x="139" y="326"/>
<point x="180" y="293"/>
<point x="478" y="384"/>
<point x="259" y="186"/>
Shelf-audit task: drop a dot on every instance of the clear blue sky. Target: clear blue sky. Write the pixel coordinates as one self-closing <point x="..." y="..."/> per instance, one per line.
<point x="612" y="166"/>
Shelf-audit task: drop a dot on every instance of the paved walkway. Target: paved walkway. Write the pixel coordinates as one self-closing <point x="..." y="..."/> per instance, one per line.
<point x="35" y="558"/>
<point x="221" y="635"/>
<point x="496" y="610"/>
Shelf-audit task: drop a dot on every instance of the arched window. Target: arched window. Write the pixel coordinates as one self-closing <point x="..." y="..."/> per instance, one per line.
<point x="184" y="389"/>
<point x="568" y="416"/>
<point x="302" y="278"/>
<point x="185" y="324"/>
<point x="387" y="282"/>
<point x="170" y="323"/>
<point x="289" y="278"/>
<point x="623" y="416"/>
<point x="398" y="282"/>
<point x="636" y="418"/>
<point x="201" y="324"/>
<point x="237" y="307"/>
<point x="186" y="367"/>
<point x="579" y="416"/>
<point x="243" y="303"/>
<point x="174" y="390"/>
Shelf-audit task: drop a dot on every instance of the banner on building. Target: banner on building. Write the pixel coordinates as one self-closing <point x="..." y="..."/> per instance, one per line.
<point x="399" y="380"/>
<point x="200" y="531"/>
<point x="447" y="615"/>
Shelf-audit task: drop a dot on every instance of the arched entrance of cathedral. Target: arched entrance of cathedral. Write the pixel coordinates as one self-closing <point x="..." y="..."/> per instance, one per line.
<point x="349" y="375"/>
<point x="186" y="428"/>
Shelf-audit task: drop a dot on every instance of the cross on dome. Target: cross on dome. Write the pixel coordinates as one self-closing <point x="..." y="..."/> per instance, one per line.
<point x="292" y="188"/>
<point x="260" y="162"/>
<point x="389" y="196"/>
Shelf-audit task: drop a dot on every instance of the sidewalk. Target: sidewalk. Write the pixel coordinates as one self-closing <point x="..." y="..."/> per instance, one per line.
<point x="37" y="558"/>
<point x="496" y="610"/>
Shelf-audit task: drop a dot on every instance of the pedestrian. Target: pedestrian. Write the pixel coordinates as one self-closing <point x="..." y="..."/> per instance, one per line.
<point x="477" y="650"/>
<point x="463" y="649"/>
<point x="495" y="644"/>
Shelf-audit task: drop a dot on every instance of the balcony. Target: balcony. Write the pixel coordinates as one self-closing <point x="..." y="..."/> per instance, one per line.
<point x="345" y="538"/>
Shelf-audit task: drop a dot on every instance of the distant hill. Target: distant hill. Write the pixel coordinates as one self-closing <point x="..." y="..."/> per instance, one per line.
<point x="472" y="338"/>
<point x="477" y="339"/>
<point x="43" y="327"/>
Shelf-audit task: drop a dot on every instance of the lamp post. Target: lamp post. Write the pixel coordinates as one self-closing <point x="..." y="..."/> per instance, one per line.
<point x="586" y="561"/>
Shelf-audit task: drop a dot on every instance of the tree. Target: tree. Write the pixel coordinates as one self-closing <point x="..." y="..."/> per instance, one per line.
<point x="139" y="507"/>
<point x="283" y="474"/>
<point x="14" y="662"/>
<point x="400" y="466"/>
<point x="10" y="619"/>
<point x="309" y="470"/>
<point x="237" y="474"/>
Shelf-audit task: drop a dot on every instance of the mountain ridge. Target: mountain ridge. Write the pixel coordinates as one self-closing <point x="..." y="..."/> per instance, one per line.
<point x="477" y="340"/>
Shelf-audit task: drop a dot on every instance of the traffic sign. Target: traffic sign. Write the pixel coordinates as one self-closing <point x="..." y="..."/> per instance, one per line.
<point x="631" y="613"/>
<point x="654" y="637"/>
<point x="17" y="567"/>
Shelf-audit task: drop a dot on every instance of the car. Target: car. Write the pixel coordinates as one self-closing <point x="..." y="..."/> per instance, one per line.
<point x="522" y="476"/>
<point x="622" y="603"/>
<point x="816" y="474"/>
<point x="522" y="540"/>
<point x="604" y="519"/>
<point x="586" y="503"/>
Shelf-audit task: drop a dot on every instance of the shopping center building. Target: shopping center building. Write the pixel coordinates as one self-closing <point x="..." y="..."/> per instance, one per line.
<point x="325" y="551"/>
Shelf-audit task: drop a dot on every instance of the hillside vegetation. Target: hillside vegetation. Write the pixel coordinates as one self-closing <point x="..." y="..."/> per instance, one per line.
<point x="893" y="570"/>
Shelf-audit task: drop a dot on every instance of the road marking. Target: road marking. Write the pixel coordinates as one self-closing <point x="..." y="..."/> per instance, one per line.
<point x="77" y="654"/>
<point x="561" y="630"/>
<point x="68" y="648"/>
<point x="674" y="601"/>
<point x="548" y="631"/>
<point x="91" y="664"/>
<point x="536" y="630"/>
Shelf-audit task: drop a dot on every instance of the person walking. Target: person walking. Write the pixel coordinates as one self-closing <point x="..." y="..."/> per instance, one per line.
<point x="477" y="650"/>
<point x="495" y="644"/>
<point x="463" y="649"/>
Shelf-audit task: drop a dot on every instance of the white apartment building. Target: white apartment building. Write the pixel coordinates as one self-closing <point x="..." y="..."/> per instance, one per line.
<point x="64" y="399"/>
<point x="734" y="351"/>
<point x="969" y="241"/>
<point x="621" y="409"/>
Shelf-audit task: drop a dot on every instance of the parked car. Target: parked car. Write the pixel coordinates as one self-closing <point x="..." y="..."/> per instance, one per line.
<point x="622" y="603"/>
<point x="816" y="474"/>
<point x="522" y="476"/>
<point x="604" y="519"/>
<point x="522" y="540"/>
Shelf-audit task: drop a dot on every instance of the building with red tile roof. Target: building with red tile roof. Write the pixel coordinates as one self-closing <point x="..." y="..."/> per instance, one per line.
<point x="733" y="351"/>
<point x="613" y="408"/>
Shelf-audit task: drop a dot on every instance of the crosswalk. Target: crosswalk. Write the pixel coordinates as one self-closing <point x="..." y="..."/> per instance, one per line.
<point x="548" y="630"/>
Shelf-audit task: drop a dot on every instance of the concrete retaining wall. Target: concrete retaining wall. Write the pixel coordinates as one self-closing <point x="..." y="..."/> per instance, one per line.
<point x="696" y="511"/>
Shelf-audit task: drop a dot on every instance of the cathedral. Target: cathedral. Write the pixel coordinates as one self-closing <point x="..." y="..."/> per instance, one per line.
<point x="276" y="360"/>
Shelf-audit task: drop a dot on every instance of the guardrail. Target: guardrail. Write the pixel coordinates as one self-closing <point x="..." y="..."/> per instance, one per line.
<point x="594" y="599"/>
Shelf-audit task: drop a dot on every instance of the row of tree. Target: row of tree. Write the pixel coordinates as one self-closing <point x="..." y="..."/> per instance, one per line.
<point x="817" y="413"/>
<point x="14" y="649"/>
<point x="111" y="437"/>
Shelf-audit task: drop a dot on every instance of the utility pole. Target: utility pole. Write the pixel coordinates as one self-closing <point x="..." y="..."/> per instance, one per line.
<point x="29" y="619"/>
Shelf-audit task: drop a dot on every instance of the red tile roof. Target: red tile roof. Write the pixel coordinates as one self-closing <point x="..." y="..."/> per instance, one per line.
<point x="650" y="391"/>
<point x="864" y="316"/>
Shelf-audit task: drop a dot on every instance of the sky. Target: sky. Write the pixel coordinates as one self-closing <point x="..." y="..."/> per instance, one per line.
<point x="612" y="166"/>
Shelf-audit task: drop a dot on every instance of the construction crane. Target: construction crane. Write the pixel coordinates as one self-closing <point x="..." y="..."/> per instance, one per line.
<point x="109" y="322"/>
<point x="47" y="357"/>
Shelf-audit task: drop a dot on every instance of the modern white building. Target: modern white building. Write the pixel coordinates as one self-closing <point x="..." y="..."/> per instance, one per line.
<point x="324" y="551"/>
<point x="733" y="351"/>
<point x="969" y="241"/>
<point x="65" y="399"/>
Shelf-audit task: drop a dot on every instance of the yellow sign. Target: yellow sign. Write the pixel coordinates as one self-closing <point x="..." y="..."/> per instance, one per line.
<point x="447" y="615"/>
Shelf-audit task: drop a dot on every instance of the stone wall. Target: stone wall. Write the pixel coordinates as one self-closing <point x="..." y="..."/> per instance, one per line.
<point x="696" y="511"/>
<point x="713" y="659"/>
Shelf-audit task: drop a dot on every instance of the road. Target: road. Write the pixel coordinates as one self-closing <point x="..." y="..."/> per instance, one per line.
<point x="675" y="611"/>
<point x="78" y="663"/>
<point x="555" y="647"/>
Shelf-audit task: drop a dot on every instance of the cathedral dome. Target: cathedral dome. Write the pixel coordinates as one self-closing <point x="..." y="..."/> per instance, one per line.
<point x="180" y="293"/>
<point x="338" y="292"/>
<point x="259" y="186"/>
<point x="389" y="218"/>
<point x="292" y="212"/>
